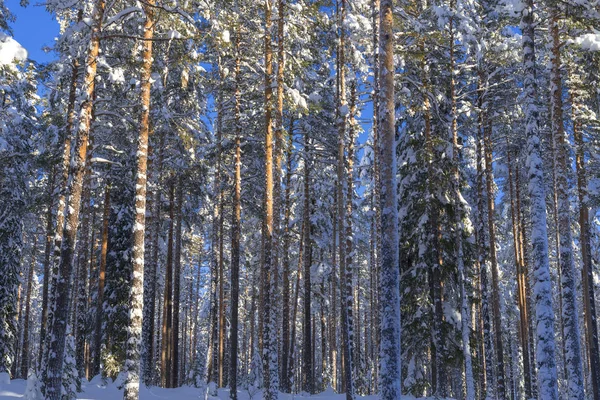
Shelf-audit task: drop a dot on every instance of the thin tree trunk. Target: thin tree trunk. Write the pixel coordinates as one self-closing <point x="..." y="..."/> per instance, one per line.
<point x="485" y="322"/>
<point x="488" y="151"/>
<point x="464" y="309"/>
<point x="47" y="264"/>
<point x="570" y="310"/>
<point x="293" y="349"/>
<point x="285" y="376"/>
<point x="25" y="361"/>
<point x="348" y="277"/>
<point x="167" y="318"/>
<point x="148" y="328"/>
<point x="589" y="300"/>
<point x="376" y="190"/>
<point x="176" y="290"/>
<point x="101" y="281"/>
<point x="521" y="284"/>
<point x="307" y="341"/>
<point x="235" y="227"/>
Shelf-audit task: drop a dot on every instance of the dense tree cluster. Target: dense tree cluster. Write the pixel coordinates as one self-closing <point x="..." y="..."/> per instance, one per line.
<point x="365" y="196"/>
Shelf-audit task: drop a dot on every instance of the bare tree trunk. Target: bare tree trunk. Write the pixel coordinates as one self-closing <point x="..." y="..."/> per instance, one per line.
<point x="293" y="349"/>
<point x="82" y="277"/>
<point x="500" y="377"/>
<point x="545" y="344"/>
<point x="136" y="293"/>
<point x="570" y="310"/>
<point x="589" y="301"/>
<point x="176" y="290"/>
<point x="521" y="284"/>
<point x="48" y="313"/>
<point x="148" y="328"/>
<point x="167" y="318"/>
<point x="307" y="341"/>
<point x="389" y="284"/>
<point x="270" y="364"/>
<point x="53" y="379"/>
<point x="485" y="322"/>
<point x="375" y="9"/>
<point x="101" y="281"/>
<point x="235" y="227"/>
<point x="47" y="264"/>
<point x="348" y="276"/>
<point x="464" y="309"/>
<point x="25" y="361"/>
<point x="285" y="349"/>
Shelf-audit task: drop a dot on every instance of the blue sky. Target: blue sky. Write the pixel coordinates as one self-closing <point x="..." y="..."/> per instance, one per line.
<point x="34" y="28"/>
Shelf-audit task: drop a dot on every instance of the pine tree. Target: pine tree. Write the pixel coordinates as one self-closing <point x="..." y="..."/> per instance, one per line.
<point x="544" y="315"/>
<point x="389" y="301"/>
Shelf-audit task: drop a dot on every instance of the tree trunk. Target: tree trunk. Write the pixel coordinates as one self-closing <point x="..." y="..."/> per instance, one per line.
<point x="82" y="277"/>
<point x="485" y="322"/>
<point x="489" y="181"/>
<point x="544" y="317"/>
<point x="48" y="314"/>
<point x="307" y="341"/>
<point x="101" y="281"/>
<point x="285" y="349"/>
<point x="47" y="264"/>
<point x="25" y="360"/>
<point x="167" y="318"/>
<point x="235" y="227"/>
<point x="270" y="364"/>
<point x="148" y="327"/>
<point x="389" y="283"/>
<point x="54" y="374"/>
<point x="521" y="283"/>
<point x="348" y="276"/>
<point x="176" y="290"/>
<point x="464" y="309"/>
<point x="136" y="293"/>
<point x="589" y="301"/>
<point x="570" y="310"/>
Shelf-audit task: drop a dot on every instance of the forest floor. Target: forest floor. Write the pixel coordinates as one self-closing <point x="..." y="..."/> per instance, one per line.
<point x="99" y="391"/>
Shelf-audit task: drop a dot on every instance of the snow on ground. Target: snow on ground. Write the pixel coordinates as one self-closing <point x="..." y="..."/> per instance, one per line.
<point x="97" y="390"/>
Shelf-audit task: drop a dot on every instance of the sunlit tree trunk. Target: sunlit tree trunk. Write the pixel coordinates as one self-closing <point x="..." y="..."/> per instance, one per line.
<point x="270" y="350"/>
<point x="54" y="371"/>
<point x="136" y="292"/>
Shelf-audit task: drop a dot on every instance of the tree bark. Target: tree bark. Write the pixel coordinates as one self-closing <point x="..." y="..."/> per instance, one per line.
<point x="176" y="289"/>
<point x="589" y="300"/>
<point x="47" y="264"/>
<point x="235" y="227"/>
<point x="488" y="151"/>
<point x="307" y="341"/>
<point x="270" y="372"/>
<point x="167" y="318"/>
<point x="544" y="317"/>
<point x="521" y="283"/>
<point x="389" y="283"/>
<point x="25" y="360"/>
<point x="570" y="310"/>
<point x="54" y="375"/>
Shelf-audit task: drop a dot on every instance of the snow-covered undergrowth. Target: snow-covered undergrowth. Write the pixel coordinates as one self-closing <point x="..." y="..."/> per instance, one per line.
<point x="98" y="390"/>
